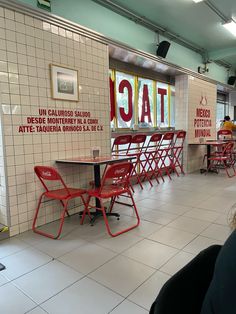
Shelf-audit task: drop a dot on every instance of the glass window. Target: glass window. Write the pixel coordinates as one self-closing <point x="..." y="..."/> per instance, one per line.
<point x="162" y="105"/>
<point x="125" y="100"/>
<point x="145" y="103"/>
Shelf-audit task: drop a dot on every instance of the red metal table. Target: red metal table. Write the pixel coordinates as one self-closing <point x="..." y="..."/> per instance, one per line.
<point x="96" y="163"/>
<point x="209" y="144"/>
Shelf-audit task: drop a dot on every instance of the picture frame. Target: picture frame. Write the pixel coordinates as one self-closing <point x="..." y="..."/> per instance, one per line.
<point x="64" y="83"/>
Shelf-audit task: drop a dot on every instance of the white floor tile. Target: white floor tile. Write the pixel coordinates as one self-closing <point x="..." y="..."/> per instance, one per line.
<point x="175" y="208"/>
<point x="122" y="275"/>
<point x="37" y="310"/>
<point x="11" y="246"/>
<point x="217" y="232"/>
<point x="46" y="281"/>
<point x="150" y="253"/>
<point x="87" y="257"/>
<point x="120" y="243"/>
<point x="3" y="280"/>
<point x="13" y="301"/>
<point x="23" y="262"/>
<point x="127" y="307"/>
<point x="219" y="204"/>
<point x="189" y="224"/>
<point x="145" y="228"/>
<point x="202" y="214"/>
<point x="223" y="219"/>
<point x="172" y="237"/>
<point x="177" y="214"/>
<point x="200" y="243"/>
<point x="159" y="217"/>
<point x="148" y="291"/>
<point x="176" y="263"/>
<point x="57" y="248"/>
<point x="85" y="296"/>
<point x="150" y="203"/>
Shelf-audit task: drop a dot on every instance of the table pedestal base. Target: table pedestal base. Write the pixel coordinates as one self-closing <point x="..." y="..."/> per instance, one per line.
<point x="98" y="214"/>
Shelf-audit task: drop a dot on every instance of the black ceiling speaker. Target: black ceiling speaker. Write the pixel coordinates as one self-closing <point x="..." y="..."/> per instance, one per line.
<point x="163" y="48"/>
<point x="231" y="80"/>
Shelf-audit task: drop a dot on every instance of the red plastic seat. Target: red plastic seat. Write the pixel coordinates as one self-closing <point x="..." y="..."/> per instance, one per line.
<point x="223" y="159"/>
<point x="115" y="183"/>
<point x="63" y="194"/>
<point x="121" y="144"/>
<point x="177" y="151"/>
<point x="222" y="134"/>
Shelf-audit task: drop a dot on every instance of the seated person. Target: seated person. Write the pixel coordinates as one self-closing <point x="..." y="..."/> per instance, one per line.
<point x="220" y="296"/>
<point x="228" y="124"/>
<point x="206" y="285"/>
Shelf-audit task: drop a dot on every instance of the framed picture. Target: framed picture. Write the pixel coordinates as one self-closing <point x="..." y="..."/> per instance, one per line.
<point x="64" y="83"/>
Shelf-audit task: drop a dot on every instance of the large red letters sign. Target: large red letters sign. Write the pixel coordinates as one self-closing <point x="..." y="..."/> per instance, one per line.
<point x="162" y="92"/>
<point x="146" y="112"/>
<point x="126" y="116"/>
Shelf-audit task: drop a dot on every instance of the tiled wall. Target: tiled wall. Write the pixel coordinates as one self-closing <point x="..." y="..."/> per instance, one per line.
<point x="189" y="91"/>
<point x="27" y="47"/>
<point x="3" y="199"/>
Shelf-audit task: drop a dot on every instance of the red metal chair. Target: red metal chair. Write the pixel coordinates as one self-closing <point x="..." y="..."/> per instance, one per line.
<point x="63" y="194"/>
<point x="165" y="153"/>
<point x="121" y="144"/>
<point x="150" y="166"/>
<point x="223" y="159"/>
<point x="177" y="151"/>
<point x="115" y="183"/>
<point x="222" y="134"/>
<point x="135" y="149"/>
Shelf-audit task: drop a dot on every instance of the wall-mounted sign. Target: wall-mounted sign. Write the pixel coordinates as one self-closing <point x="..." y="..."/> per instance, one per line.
<point x="44" y="4"/>
<point x="202" y="111"/>
<point x="137" y="100"/>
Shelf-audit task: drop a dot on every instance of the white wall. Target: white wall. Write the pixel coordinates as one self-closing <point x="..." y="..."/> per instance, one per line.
<point x="188" y="95"/>
<point x="27" y="47"/>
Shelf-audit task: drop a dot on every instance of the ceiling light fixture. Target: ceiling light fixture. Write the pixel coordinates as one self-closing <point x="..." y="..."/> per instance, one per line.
<point x="231" y="27"/>
<point x="196" y="1"/>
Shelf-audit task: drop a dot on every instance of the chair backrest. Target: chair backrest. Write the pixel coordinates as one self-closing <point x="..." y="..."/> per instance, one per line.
<point x="117" y="174"/>
<point x="45" y="173"/>
<point x="137" y="142"/>
<point x="184" y="292"/>
<point x="121" y="143"/>
<point x="167" y="139"/>
<point x="223" y="133"/>
<point x="228" y="148"/>
<point x="180" y="138"/>
<point x="154" y="142"/>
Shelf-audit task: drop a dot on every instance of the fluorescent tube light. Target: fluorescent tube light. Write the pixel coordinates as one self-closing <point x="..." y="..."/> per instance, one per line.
<point x="231" y="27"/>
<point x="196" y="1"/>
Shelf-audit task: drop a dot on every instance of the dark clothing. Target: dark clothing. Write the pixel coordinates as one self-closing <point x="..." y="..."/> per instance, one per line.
<point x="221" y="295"/>
<point x="184" y="292"/>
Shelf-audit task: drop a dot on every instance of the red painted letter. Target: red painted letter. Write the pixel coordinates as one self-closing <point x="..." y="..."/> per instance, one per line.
<point x="112" y="100"/>
<point x="145" y="105"/>
<point x="162" y="92"/>
<point x="126" y="116"/>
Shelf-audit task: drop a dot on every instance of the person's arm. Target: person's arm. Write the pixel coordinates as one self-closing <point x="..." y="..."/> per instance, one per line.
<point x="233" y="126"/>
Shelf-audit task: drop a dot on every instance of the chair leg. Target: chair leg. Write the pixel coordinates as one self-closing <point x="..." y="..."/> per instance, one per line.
<point x="86" y="209"/>
<point x="124" y="230"/>
<point x="36" y="213"/>
<point x="66" y="210"/>
<point x="49" y="235"/>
